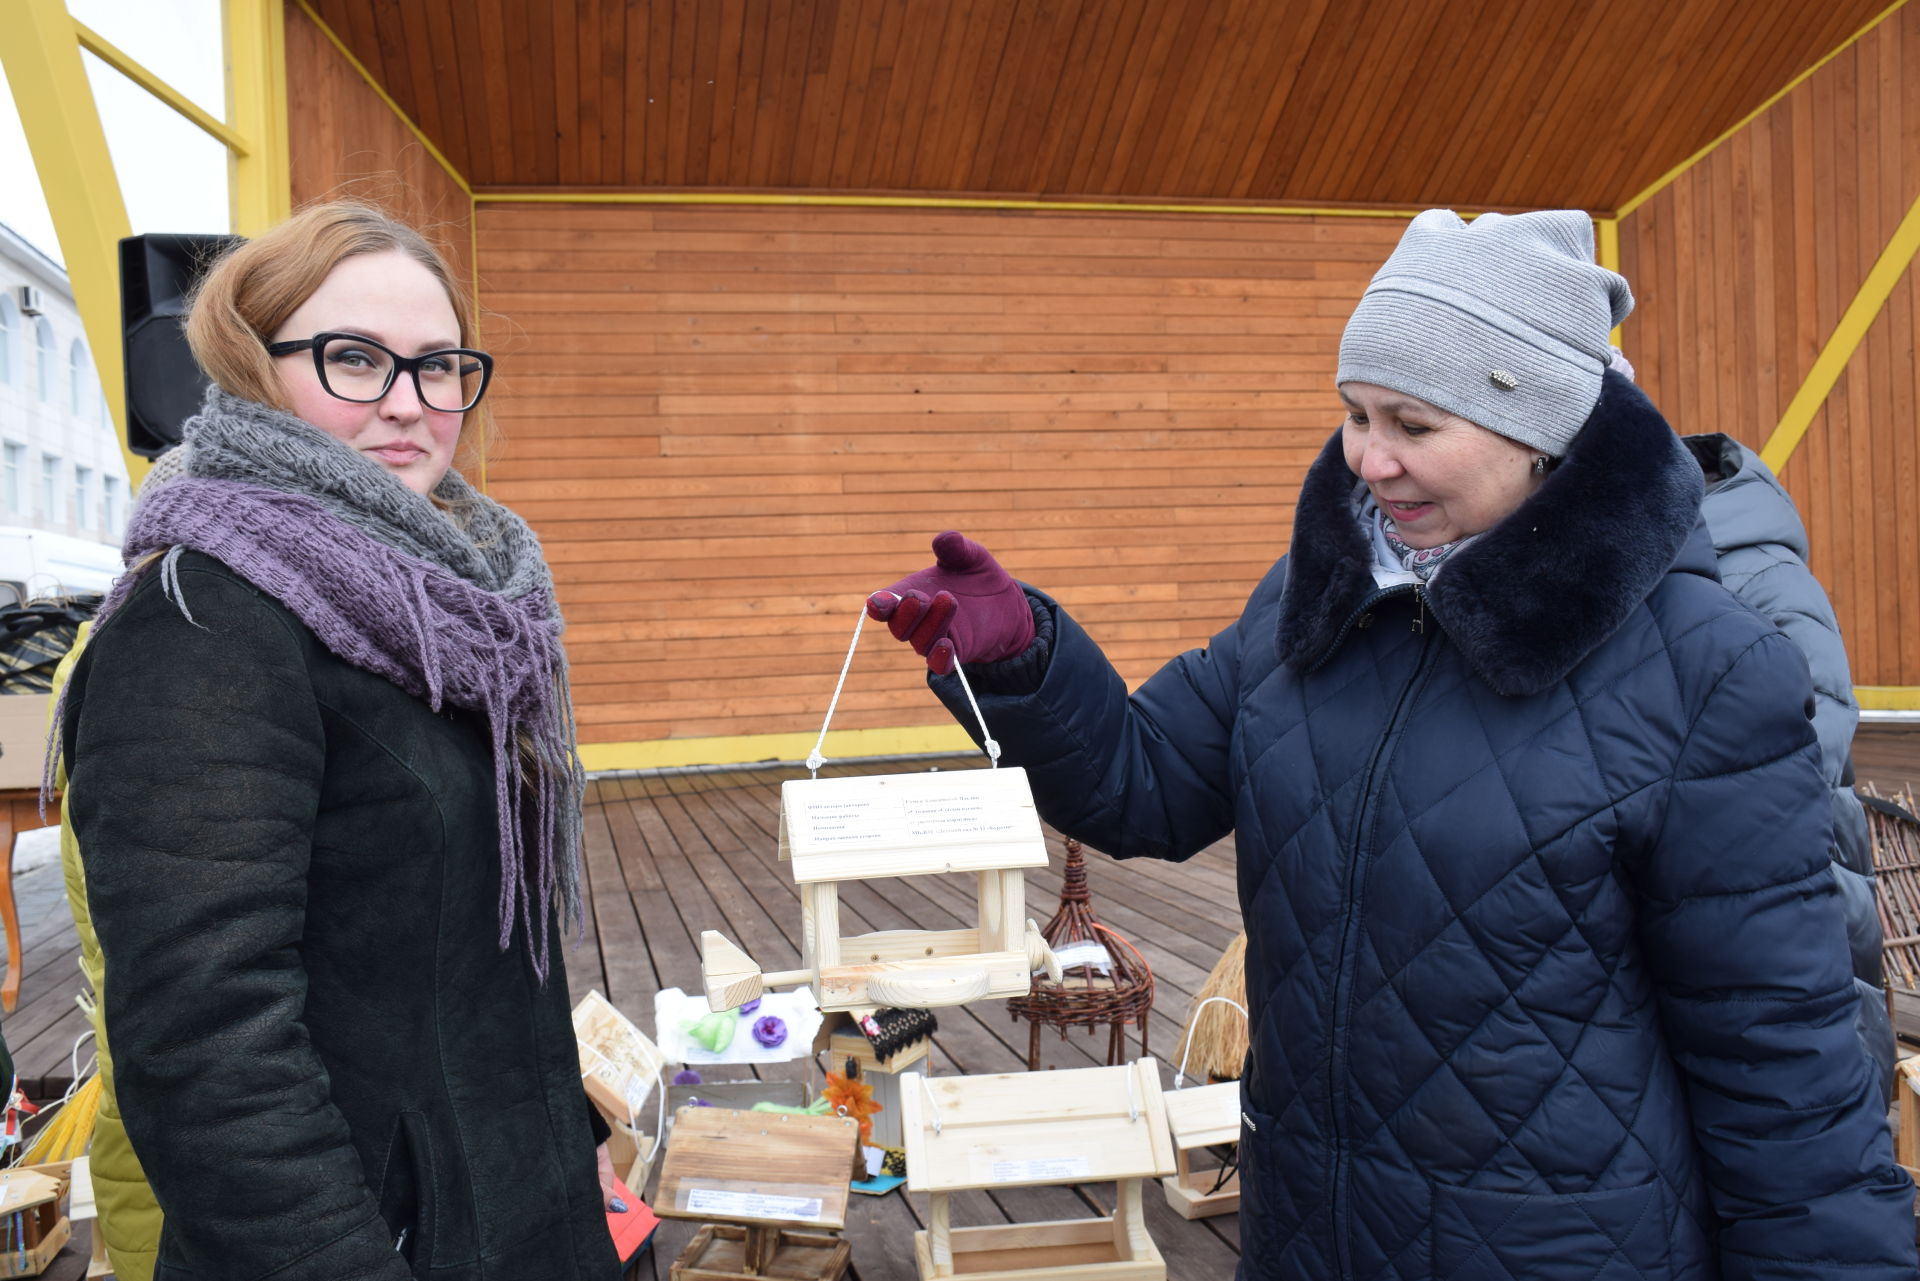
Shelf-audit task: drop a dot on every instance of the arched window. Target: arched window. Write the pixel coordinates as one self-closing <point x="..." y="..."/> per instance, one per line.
<point x="9" y="334"/>
<point x="43" y="335"/>
<point x="79" y="376"/>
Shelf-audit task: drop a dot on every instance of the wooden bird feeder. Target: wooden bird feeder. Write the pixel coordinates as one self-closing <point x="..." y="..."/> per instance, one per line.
<point x="1035" y="1129"/>
<point x="771" y="1188"/>
<point x="1204" y="1117"/>
<point x="977" y="822"/>
<point x="32" y="1229"/>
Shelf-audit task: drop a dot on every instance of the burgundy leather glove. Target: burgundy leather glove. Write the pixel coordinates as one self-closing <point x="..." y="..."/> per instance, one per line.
<point x="962" y="606"/>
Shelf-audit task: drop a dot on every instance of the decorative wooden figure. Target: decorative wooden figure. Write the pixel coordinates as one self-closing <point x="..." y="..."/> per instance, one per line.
<point x="772" y="1186"/>
<point x="1204" y="1117"/>
<point x="981" y="822"/>
<point x="32" y="1229"/>
<point x="1034" y="1129"/>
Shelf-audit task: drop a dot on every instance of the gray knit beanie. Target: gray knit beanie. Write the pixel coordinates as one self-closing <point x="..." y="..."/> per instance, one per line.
<point x="1503" y="321"/>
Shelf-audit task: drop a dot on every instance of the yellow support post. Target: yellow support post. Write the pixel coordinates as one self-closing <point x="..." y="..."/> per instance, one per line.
<point x="1607" y="245"/>
<point x="260" y="180"/>
<point x="41" y="54"/>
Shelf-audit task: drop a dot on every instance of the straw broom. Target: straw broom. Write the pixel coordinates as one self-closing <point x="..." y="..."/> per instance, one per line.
<point x="1217" y="1033"/>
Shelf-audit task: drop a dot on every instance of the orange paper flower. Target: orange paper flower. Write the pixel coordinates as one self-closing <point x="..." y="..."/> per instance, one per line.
<point x="852" y="1098"/>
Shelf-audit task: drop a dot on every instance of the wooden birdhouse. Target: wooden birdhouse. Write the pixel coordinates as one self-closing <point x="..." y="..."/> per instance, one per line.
<point x="1206" y="1116"/>
<point x="979" y="823"/>
<point x="1029" y="1129"/>
<point x="771" y="1189"/>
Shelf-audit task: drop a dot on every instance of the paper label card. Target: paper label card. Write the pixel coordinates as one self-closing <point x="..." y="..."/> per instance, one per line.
<point x="750" y="1205"/>
<point x="1057" y="1169"/>
<point x="988" y="816"/>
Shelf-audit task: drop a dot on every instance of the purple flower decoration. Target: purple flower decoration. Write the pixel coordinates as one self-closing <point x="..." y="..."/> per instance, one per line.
<point x="749" y="1007"/>
<point x="701" y="1103"/>
<point x="686" y="1076"/>
<point x="770" y="1031"/>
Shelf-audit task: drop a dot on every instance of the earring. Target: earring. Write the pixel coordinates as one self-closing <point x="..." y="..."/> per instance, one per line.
<point x="1539" y="464"/>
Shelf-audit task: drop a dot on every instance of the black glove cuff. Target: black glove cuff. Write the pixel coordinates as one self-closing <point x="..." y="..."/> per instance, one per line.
<point x="1023" y="673"/>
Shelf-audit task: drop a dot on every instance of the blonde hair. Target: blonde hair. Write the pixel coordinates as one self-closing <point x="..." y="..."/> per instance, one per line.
<point x="250" y="292"/>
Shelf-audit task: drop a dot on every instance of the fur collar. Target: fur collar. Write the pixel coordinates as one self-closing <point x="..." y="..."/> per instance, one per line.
<point x="1544" y="587"/>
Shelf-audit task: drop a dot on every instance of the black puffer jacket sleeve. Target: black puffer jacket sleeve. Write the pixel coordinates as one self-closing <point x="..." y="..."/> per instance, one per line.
<point x="196" y="755"/>
<point x="1742" y="929"/>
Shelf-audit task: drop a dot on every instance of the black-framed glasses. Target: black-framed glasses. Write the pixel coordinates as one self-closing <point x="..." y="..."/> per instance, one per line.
<point x="361" y="370"/>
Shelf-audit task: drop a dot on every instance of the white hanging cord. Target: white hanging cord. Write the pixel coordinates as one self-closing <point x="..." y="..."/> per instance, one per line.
<point x="932" y="1102"/>
<point x="1179" y="1078"/>
<point x="816" y="758"/>
<point x="986" y="739"/>
<point x="659" y="1117"/>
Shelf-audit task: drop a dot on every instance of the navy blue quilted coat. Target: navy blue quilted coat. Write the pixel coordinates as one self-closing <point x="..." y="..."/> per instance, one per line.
<point x="1546" y="967"/>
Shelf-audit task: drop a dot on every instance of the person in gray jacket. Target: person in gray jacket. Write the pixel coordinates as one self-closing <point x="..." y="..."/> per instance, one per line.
<point x="1761" y="546"/>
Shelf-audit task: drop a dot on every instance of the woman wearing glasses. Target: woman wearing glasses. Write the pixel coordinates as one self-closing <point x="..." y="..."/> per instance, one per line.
<point x="322" y="771"/>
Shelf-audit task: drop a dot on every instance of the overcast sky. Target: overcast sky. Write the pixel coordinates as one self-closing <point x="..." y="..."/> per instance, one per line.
<point x="172" y="176"/>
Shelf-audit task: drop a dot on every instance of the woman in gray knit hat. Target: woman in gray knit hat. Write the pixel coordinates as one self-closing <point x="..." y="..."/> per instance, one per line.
<point x="1546" y="971"/>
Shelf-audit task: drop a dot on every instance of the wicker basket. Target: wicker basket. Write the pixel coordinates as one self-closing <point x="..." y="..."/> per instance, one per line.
<point x="1084" y="997"/>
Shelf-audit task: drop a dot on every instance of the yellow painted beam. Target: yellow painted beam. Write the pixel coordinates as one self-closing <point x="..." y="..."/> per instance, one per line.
<point x="111" y="54"/>
<point x="41" y="54"/>
<point x="914" y="202"/>
<point x="1847" y="336"/>
<point x="1887" y="698"/>
<point x="1666" y="179"/>
<point x="668" y="753"/>
<point x="260" y="184"/>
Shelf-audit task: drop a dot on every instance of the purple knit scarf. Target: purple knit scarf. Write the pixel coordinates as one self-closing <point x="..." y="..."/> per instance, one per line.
<point x="434" y="634"/>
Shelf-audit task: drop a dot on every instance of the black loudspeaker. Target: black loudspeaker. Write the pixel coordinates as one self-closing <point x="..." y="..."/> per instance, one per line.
<point x="164" y="386"/>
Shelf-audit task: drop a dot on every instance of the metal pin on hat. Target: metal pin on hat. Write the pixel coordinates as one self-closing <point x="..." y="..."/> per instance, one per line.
<point x="1503" y="380"/>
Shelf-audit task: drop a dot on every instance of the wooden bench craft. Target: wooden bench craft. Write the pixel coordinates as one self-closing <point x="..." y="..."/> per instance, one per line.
<point x="1203" y="1117"/>
<point x="978" y="822"/>
<point x="1033" y="1129"/>
<point x="771" y="1187"/>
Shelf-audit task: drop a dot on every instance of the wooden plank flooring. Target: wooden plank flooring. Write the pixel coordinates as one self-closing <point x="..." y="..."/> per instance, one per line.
<point x="1888" y="756"/>
<point x="671" y="856"/>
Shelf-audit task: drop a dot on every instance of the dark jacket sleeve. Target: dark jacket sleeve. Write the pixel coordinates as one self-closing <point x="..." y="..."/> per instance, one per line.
<point x="1146" y="775"/>
<point x="1742" y="930"/>
<point x="196" y="760"/>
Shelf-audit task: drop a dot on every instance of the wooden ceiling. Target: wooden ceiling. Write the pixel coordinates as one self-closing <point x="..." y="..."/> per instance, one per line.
<point x="1472" y="103"/>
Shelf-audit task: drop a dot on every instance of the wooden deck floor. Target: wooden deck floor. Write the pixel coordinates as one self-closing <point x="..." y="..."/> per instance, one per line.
<point x="668" y="857"/>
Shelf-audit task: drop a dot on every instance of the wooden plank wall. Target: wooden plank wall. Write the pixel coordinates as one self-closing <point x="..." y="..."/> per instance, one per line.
<point x="345" y="141"/>
<point x="731" y="424"/>
<point x="1743" y="268"/>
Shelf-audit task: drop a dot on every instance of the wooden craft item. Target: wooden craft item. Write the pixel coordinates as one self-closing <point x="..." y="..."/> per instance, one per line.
<point x="1031" y="1129"/>
<point x="1087" y="996"/>
<point x="773" y="1182"/>
<point x="883" y="1078"/>
<point x="723" y="1252"/>
<point x="978" y="822"/>
<point x="1203" y="1117"/>
<point x="36" y="1230"/>
<point x="1906" y="1140"/>
<point x="619" y="1065"/>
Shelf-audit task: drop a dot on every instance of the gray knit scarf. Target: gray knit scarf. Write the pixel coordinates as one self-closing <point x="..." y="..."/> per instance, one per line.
<point x="453" y="604"/>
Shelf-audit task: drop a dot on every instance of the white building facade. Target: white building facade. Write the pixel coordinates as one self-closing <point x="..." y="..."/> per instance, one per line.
<point x="61" y="468"/>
